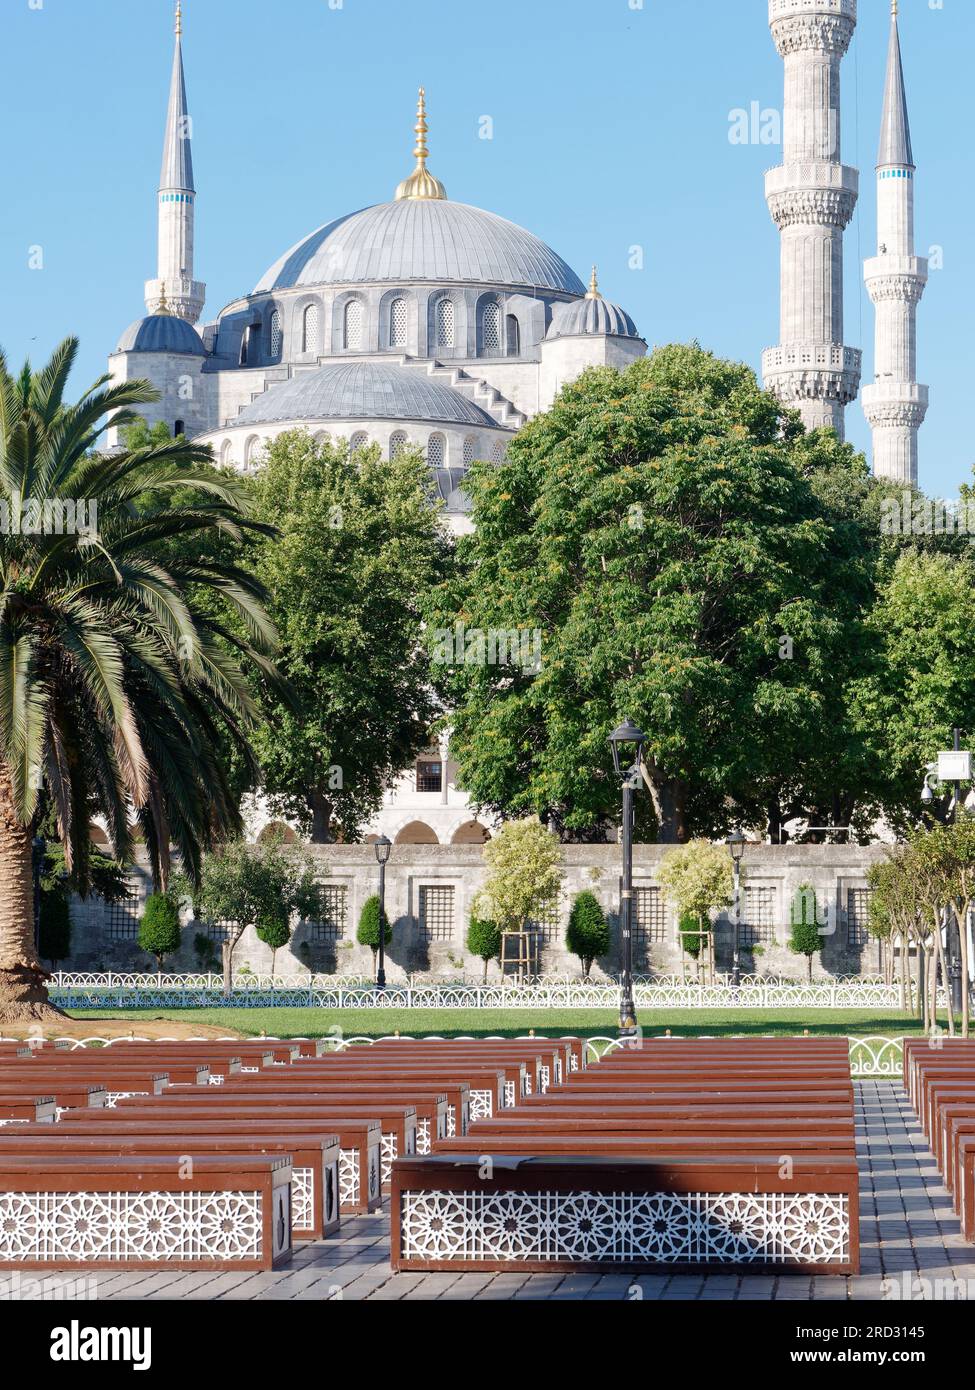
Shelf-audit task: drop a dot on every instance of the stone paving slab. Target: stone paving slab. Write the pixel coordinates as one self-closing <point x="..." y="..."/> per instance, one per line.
<point x="911" y="1247"/>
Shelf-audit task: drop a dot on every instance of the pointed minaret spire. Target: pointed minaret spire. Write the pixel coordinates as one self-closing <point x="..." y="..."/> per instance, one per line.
<point x="174" y="284"/>
<point x="895" y="405"/>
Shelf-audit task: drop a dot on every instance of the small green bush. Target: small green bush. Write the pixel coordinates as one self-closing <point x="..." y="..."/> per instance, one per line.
<point x="484" y="941"/>
<point x="273" y="927"/>
<point x="587" y="935"/>
<point x="805" y="939"/>
<point x="690" y="934"/>
<point x="159" y="930"/>
<point x="368" y="930"/>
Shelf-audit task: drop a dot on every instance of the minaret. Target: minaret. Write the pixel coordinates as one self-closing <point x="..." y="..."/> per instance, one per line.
<point x="895" y="406"/>
<point x="811" y="197"/>
<point x="177" y="199"/>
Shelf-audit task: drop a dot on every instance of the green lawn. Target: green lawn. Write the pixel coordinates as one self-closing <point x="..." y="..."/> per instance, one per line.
<point x="285" y="1023"/>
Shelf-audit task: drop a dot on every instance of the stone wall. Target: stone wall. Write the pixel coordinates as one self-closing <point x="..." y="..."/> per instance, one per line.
<point x="430" y="926"/>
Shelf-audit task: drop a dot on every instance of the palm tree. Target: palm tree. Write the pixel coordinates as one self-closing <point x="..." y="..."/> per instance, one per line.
<point x="123" y="645"/>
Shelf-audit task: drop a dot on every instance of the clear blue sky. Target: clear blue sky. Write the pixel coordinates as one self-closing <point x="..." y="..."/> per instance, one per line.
<point x="611" y="129"/>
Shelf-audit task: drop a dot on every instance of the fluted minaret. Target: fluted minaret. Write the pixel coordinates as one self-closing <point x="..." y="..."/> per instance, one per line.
<point x="895" y="405"/>
<point x="811" y="197"/>
<point x="174" y="287"/>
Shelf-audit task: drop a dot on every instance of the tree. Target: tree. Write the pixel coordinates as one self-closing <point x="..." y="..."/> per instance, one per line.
<point x="524" y="875"/>
<point x="358" y="544"/>
<point x="55" y="926"/>
<point x="114" y="686"/>
<point x="691" y="938"/>
<point x="804" y="938"/>
<point x="697" y="879"/>
<point x="587" y="935"/>
<point x="657" y="546"/>
<point x="484" y="941"/>
<point x="262" y="886"/>
<point x="159" y="930"/>
<point x="368" y="930"/>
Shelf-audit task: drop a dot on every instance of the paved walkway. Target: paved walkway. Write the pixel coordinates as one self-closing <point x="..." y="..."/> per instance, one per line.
<point x="911" y="1247"/>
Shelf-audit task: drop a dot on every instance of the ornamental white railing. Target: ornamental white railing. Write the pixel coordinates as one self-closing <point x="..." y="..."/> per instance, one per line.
<point x="870" y="1056"/>
<point x="117" y="991"/>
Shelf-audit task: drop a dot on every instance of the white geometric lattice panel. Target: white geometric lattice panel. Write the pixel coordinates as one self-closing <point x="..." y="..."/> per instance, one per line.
<point x="482" y="1107"/>
<point x="302" y="1198"/>
<point x="619" y="1228"/>
<point x="349" y="1177"/>
<point x="423" y="1136"/>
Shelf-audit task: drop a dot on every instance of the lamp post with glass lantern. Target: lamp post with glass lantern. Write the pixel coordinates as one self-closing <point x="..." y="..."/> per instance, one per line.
<point x="382" y="847"/>
<point x="736" y="847"/>
<point x="627" y="743"/>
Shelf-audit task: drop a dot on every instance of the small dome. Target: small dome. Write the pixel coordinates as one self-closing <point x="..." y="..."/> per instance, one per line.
<point x="364" y="391"/>
<point x="422" y="239"/>
<point x="161" y="333"/>
<point x="591" y="316"/>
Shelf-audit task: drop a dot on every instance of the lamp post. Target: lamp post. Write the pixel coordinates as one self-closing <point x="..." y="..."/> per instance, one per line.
<point x="627" y="742"/>
<point x="382" y="847"/>
<point x="736" y="847"/>
<point x="38" y="853"/>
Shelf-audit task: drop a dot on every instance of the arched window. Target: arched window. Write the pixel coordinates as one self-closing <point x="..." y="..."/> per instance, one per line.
<point x="274" y="336"/>
<point x="513" y="336"/>
<point x="491" y="329"/>
<point x="436" y="451"/>
<point x="225" y="453"/>
<point x="470" y="450"/>
<point x="178" y="428"/>
<point x="398" y="321"/>
<point x="250" y="451"/>
<point x="311" y="329"/>
<point x="498" y="451"/>
<point x="360" y="440"/>
<point x="445" y="323"/>
<point x="354" y="325"/>
<point x="397" y="443"/>
<point x="245" y="345"/>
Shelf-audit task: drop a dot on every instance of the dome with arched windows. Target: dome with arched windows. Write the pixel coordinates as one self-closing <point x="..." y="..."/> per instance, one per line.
<point x="428" y="240"/>
<point x="364" y="391"/>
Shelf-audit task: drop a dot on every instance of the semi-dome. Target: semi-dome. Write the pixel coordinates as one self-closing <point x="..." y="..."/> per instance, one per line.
<point x="364" y="391"/>
<point x="422" y="239"/>
<point x="161" y="333"/>
<point x="596" y="316"/>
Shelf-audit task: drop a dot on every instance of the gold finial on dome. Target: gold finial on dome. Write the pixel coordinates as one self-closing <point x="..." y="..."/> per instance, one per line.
<point x="179" y="18"/>
<point x="421" y="183"/>
<point x="593" y="291"/>
<point x="893" y="9"/>
<point x="163" y="302"/>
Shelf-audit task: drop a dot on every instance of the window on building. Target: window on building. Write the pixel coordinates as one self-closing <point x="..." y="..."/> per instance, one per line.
<point x="470" y="450"/>
<point x="226" y="450"/>
<point x="491" y="329"/>
<point x="437" y="913"/>
<point x="857" y="916"/>
<point x="179" y="427"/>
<point x="397" y="443"/>
<point x="650" y="917"/>
<point x="122" y="918"/>
<point x="436" y="451"/>
<point x="546" y="925"/>
<point x="221" y="930"/>
<point x="250" y="451"/>
<point x="445" y="323"/>
<point x="513" y="336"/>
<point x="274" y="335"/>
<point x="757" y="916"/>
<point x="429" y="775"/>
<point x="498" y="450"/>
<point x="335" y="914"/>
<point x="398" y="323"/>
<point x="354" y="325"/>
<point x="311" y="322"/>
<point x="359" y="440"/>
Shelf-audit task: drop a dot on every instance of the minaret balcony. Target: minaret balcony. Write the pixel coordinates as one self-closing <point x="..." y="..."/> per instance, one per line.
<point x="816" y="193"/>
<point x="824" y="371"/>
<point x="895" y="277"/>
<point x="886" y="391"/>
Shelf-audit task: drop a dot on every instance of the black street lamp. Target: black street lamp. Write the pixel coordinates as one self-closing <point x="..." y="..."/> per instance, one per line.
<point x="382" y="847"/>
<point x="736" y="847"/>
<point x="627" y="744"/>
<point x="38" y="855"/>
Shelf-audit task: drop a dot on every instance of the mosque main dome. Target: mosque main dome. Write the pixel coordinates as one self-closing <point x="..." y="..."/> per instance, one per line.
<point x="422" y="239"/>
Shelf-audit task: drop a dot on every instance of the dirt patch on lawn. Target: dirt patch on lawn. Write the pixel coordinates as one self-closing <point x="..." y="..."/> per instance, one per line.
<point x="115" y="1028"/>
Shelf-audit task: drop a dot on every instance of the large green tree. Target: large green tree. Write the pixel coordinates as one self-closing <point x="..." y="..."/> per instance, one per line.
<point x="665" y="534"/>
<point x="358" y="545"/>
<point x="115" y="687"/>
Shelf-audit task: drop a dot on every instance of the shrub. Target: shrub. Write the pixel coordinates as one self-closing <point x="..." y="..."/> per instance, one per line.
<point x="805" y="939"/>
<point x="368" y="930"/>
<point x="690" y="934"/>
<point x="587" y="935"/>
<point x="273" y="927"/>
<point x="159" y="930"/>
<point x="55" y="932"/>
<point x="484" y="941"/>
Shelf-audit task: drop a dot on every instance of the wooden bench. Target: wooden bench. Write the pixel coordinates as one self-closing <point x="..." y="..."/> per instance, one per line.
<point x="486" y="1082"/>
<point x="359" y="1131"/>
<point x="314" y="1156"/>
<point x="22" y="1111"/>
<point x="966" y="1186"/>
<point x="252" y="1055"/>
<point x="548" y="1213"/>
<point x="547" y="1062"/>
<point x="143" y="1212"/>
<point x="67" y="1094"/>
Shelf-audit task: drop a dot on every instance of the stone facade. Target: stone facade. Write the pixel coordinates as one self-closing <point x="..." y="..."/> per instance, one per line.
<point x="429" y="890"/>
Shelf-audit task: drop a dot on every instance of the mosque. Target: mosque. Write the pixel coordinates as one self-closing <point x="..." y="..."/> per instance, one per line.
<point x="424" y="322"/>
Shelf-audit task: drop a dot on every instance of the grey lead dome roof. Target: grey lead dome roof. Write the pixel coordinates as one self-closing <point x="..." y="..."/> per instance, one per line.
<point x="364" y="391"/>
<point x="591" y="316"/>
<point x="161" y="333"/>
<point x="423" y="239"/>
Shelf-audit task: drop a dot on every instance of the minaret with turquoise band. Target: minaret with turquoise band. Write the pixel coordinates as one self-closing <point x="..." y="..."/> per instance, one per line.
<point x="174" y="287"/>
<point x="895" y="405"/>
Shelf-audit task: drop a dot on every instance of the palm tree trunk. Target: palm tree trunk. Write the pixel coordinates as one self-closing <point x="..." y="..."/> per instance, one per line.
<point x="23" y="996"/>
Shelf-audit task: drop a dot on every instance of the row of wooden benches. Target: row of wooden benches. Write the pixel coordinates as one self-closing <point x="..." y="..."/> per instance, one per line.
<point x="675" y="1152"/>
<point x="939" y="1077"/>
